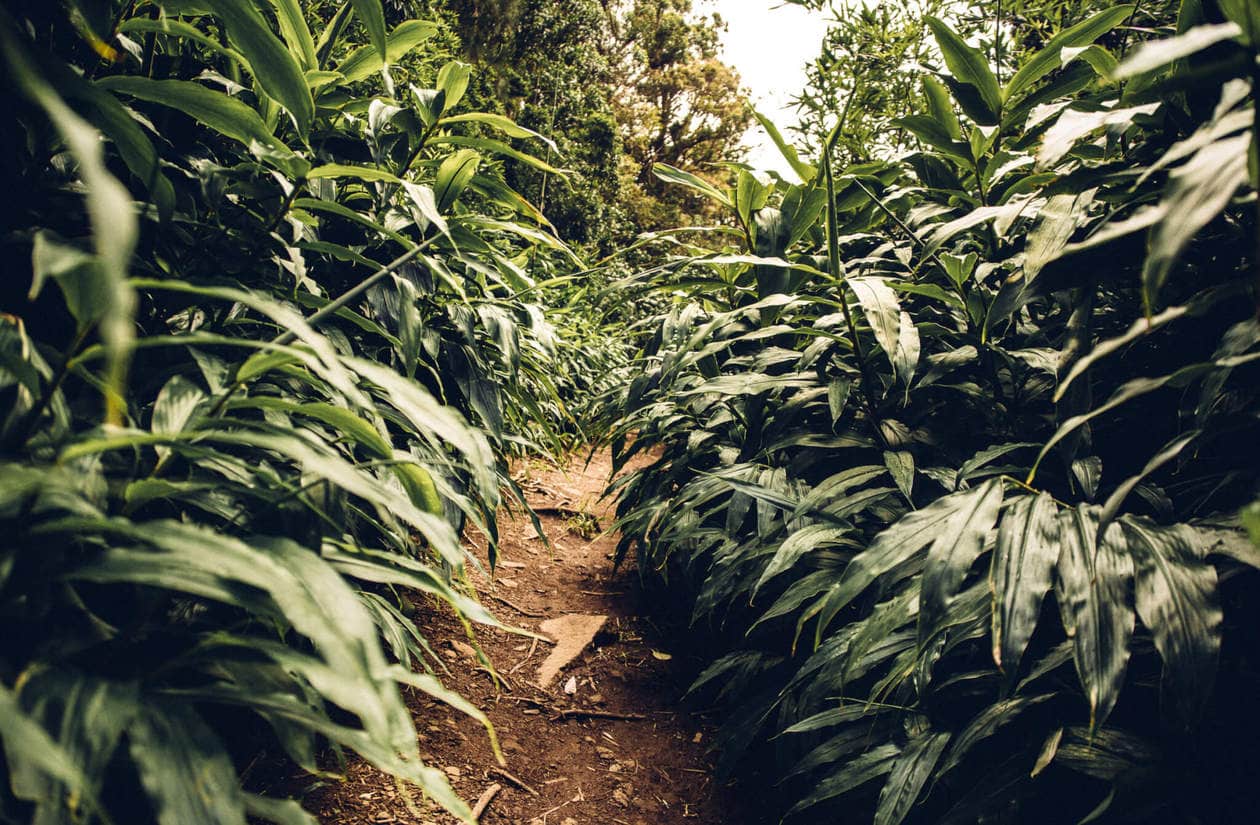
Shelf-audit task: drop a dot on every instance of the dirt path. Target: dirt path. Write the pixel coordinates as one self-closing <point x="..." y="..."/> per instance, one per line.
<point x="607" y="741"/>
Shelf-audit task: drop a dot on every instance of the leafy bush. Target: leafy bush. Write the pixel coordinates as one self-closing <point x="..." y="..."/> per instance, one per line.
<point x="283" y="331"/>
<point x="951" y="448"/>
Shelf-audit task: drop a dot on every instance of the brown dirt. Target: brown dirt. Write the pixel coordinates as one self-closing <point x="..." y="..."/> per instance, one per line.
<point x="585" y="765"/>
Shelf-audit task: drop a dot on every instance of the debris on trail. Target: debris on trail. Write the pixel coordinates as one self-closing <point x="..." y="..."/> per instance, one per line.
<point x="572" y="633"/>
<point x="614" y="751"/>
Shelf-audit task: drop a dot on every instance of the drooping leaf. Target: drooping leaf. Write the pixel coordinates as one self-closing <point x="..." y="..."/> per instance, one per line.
<point x="1023" y="560"/>
<point x="968" y="66"/>
<point x="1092" y="587"/>
<point x="274" y="68"/>
<point x="914" y="767"/>
<point x="1177" y="600"/>
<point x="954" y="549"/>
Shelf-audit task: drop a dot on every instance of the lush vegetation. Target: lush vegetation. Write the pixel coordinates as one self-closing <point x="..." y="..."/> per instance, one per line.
<point x="284" y="328"/>
<point x="951" y="430"/>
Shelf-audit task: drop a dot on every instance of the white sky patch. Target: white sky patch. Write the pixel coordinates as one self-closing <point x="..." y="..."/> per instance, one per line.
<point x="770" y="45"/>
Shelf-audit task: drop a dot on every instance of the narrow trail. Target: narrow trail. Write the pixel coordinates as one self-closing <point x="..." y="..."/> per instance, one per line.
<point x="607" y="740"/>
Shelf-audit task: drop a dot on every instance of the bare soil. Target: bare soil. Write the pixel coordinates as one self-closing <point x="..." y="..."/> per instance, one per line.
<point x="607" y="741"/>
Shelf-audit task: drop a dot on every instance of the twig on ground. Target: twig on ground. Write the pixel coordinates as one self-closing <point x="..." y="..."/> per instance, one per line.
<point x="533" y="645"/>
<point x="484" y="801"/>
<point x="575" y="713"/>
<point x="514" y="780"/>
<point x="530" y="613"/>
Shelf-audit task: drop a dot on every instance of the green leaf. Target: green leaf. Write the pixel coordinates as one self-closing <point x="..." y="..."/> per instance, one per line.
<point x="183" y="766"/>
<point x="849" y="775"/>
<point x="1155" y="54"/>
<point x="218" y="111"/>
<point x="1019" y="576"/>
<point x="500" y="123"/>
<point x="940" y="108"/>
<point x="77" y="273"/>
<point x="452" y="82"/>
<point x="1048" y="59"/>
<point x="28" y="746"/>
<point x="1197" y="193"/>
<point x="900" y="464"/>
<point x="669" y="174"/>
<point x="346" y="170"/>
<point x="274" y="69"/>
<point x="914" y="766"/>
<point x="968" y="66"/>
<point x="453" y="177"/>
<point x="804" y="172"/>
<point x="113" y="219"/>
<point x="954" y="549"/>
<point x="295" y="32"/>
<point x="366" y="59"/>
<point x="882" y="310"/>
<point x="372" y="16"/>
<point x="172" y="27"/>
<point x="1177" y="600"/>
<point x="1093" y="593"/>
<point x="894" y="546"/>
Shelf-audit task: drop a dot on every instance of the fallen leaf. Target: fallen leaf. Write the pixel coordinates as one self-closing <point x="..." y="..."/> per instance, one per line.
<point x="664" y="657"/>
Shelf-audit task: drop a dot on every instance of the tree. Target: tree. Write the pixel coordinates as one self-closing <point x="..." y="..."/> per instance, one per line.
<point x="677" y="103"/>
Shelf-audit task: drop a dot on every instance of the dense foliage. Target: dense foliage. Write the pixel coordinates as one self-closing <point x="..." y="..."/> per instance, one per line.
<point x="273" y="327"/>
<point x="949" y="447"/>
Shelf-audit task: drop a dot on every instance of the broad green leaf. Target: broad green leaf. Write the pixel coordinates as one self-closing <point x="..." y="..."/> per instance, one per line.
<point x="500" y="123"/>
<point x="801" y="542"/>
<point x="184" y="767"/>
<point x="898" y="543"/>
<point x="173" y="27"/>
<point x="804" y="172"/>
<point x="985" y="724"/>
<point x="900" y="464"/>
<point x="882" y="310"/>
<point x="296" y="34"/>
<point x="873" y="764"/>
<point x="1155" y="54"/>
<point x="669" y="174"/>
<point x="28" y="746"/>
<point x="940" y="107"/>
<point x="174" y="407"/>
<point x="113" y="219"/>
<point x="1092" y="588"/>
<point x="1019" y="576"/>
<point x="1197" y="193"/>
<point x="453" y="177"/>
<point x="1072" y="125"/>
<point x="1177" y="600"/>
<point x="968" y="66"/>
<point x="1167" y="453"/>
<point x="346" y="170"/>
<point x="218" y="111"/>
<point x="910" y="773"/>
<point x="496" y="147"/>
<point x="1048" y="59"/>
<point x="77" y="274"/>
<point x="360" y="64"/>
<point x="372" y="16"/>
<point x="452" y="82"/>
<point x="273" y="67"/>
<point x="954" y="549"/>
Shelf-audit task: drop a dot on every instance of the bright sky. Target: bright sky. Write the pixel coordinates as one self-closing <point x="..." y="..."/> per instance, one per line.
<point x="769" y="43"/>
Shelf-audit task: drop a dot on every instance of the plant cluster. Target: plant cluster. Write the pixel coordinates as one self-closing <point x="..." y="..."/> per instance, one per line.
<point x="949" y="451"/>
<point x="273" y="325"/>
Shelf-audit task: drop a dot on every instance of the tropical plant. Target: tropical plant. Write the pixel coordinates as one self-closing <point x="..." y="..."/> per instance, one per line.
<point x="282" y="335"/>
<point x="948" y="451"/>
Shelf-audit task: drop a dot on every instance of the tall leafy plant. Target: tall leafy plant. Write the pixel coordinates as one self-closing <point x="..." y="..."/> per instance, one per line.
<point x="274" y="349"/>
<point x="901" y="472"/>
